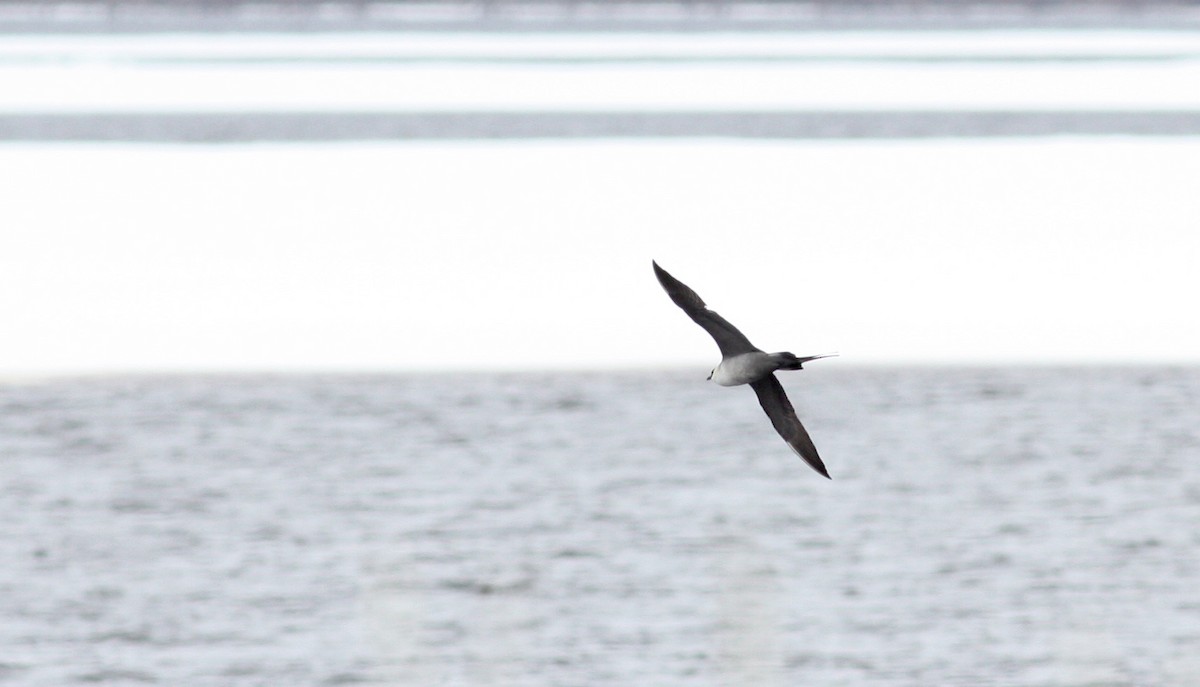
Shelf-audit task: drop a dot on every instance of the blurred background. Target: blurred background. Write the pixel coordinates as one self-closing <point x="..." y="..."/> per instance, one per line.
<point x="405" y="186"/>
<point x="330" y="350"/>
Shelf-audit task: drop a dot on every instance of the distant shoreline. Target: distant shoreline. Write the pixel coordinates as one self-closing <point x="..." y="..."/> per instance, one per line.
<point x="90" y="16"/>
<point x="292" y="127"/>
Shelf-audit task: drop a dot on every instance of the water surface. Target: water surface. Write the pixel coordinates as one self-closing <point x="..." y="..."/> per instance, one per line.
<point x="1029" y="527"/>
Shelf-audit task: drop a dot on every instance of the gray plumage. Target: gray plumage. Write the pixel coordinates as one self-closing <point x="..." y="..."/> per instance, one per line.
<point x="744" y="363"/>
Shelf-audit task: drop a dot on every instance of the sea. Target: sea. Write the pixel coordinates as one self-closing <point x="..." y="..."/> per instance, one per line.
<point x="984" y="526"/>
<point x="992" y="525"/>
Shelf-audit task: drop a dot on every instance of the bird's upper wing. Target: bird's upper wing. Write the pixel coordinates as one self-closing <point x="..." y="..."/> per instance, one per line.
<point x="728" y="338"/>
<point x="783" y="416"/>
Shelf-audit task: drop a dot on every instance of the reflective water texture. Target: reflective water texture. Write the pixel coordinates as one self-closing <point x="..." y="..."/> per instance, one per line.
<point x="984" y="527"/>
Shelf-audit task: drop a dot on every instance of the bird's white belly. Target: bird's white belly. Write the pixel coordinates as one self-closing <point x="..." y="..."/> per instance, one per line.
<point x="743" y="369"/>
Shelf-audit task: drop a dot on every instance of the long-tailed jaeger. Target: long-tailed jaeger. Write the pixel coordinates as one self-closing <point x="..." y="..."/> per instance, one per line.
<point x="744" y="363"/>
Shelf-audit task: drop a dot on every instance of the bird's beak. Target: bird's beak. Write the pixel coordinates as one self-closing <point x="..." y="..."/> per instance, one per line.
<point x="709" y="377"/>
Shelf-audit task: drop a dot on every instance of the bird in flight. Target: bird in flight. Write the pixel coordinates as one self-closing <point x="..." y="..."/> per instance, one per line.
<point x="744" y="363"/>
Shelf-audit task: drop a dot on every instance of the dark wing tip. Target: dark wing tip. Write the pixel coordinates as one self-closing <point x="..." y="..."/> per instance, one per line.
<point x="680" y="293"/>
<point x="820" y="467"/>
<point x="663" y="275"/>
<point x="809" y="456"/>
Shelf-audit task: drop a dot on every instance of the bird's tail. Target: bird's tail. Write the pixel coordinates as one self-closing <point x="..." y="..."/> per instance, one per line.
<point x="789" y="361"/>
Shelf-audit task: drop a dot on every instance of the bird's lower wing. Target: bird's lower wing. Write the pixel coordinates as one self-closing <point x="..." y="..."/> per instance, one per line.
<point x="777" y="406"/>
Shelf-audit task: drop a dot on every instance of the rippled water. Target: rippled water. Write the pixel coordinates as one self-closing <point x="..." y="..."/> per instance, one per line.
<point x="984" y="527"/>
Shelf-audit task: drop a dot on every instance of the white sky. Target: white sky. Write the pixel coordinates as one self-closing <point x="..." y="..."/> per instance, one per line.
<point x="537" y="253"/>
<point x="252" y="72"/>
<point x="527" y="254"/>
<point x="109" y="87"/>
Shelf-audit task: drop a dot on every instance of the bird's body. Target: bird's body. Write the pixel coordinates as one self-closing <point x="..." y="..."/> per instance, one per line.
<point x="744" y="368"/>
<point x="747" y="368"/>
<point x="744" y="363"/>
